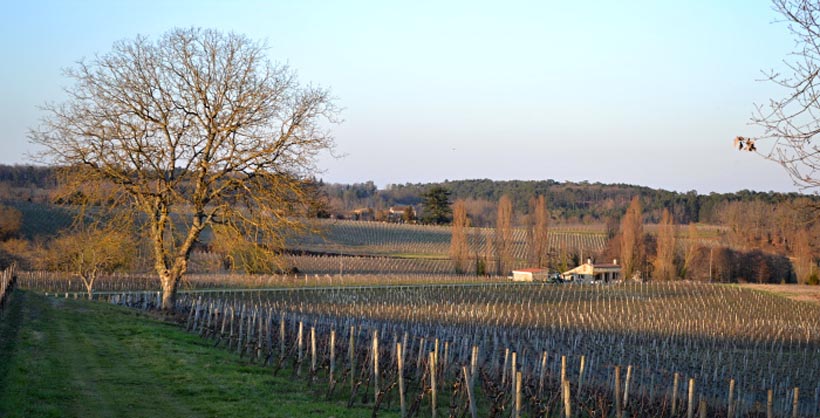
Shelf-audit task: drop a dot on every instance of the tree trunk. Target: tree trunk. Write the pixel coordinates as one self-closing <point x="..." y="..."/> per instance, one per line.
<point x="169" y="291"/>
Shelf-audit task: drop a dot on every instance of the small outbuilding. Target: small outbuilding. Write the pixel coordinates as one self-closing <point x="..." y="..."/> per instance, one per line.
<point x="528" y="275"/>
<point x="593" y="272"/>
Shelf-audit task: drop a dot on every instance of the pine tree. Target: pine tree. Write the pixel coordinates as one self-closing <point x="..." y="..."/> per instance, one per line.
<point x="436" y="206"/>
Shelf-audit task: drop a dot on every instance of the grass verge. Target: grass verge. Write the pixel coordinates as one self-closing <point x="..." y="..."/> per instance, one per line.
<point x="66" y="358"/>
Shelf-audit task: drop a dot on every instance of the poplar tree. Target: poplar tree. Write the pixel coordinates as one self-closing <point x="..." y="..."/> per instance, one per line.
<point x="459" y="251"/>
<point x="690" y="249"/>
<point x="503" y="236"/>
<point x="632" y="249"/>
<point x="665" y="257"/>
<point x="538" y="232"/>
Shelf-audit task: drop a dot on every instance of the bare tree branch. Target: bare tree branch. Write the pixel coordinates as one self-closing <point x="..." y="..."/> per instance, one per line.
<point x="791" y="123"/>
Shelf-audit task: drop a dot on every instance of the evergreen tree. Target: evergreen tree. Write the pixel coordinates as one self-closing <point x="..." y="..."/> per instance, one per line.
<point x="436" y="206"/>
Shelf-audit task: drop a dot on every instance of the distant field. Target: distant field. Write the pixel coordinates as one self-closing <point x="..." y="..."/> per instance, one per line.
<point x="387" y="248"/>
<point x="797" y="292"/>
<point x="666" y="336"/>
<point x="710" y="334"/>
<point x="41" y="219"/>
<point x="377" y="238"/>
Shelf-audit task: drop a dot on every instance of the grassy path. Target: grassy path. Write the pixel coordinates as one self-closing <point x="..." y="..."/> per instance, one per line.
<point x="66" y="358"/>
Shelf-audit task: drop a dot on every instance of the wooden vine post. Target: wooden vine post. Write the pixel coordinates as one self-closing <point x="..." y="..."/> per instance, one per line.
<point x="619" y="411"/>
<point x="690" y="406"/>
<point x="432" y="361"/>
<point x="400" y="376"/>
<point x="375" y="366"/>
<point x="675" y="384"/>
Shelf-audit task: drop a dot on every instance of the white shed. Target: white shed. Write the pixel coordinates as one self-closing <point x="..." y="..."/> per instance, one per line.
<point x="528" y="275"/>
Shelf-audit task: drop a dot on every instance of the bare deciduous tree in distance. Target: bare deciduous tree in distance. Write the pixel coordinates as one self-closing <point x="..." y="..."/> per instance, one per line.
<point x="195" y="129"/>
<point x="804" y="259"/>
<point x="632" y="238"/>
<point x="503" y="236"/>
<point x="665" y="257"/>
<point x="791" y="123"/>
<point x="538" y="232"/>
<point x="459" y="250"/>
<point x="690" y="250"/>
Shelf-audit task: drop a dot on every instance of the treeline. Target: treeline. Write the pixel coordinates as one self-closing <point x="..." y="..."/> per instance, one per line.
<point x="674" y="252"/>
<point x="40" y="177"/>
<point x="27" y="183"/>
<point x="663" y="251"/>
<point x="568" y="202"/>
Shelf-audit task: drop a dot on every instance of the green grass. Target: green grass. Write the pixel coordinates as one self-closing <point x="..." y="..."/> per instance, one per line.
<point x="66" y="358"/>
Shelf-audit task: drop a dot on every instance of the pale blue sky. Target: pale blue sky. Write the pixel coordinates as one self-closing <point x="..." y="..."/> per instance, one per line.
<point x="641" y="92"/>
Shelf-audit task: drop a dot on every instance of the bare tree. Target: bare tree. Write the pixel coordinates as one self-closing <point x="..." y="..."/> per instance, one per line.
<point x="503" y="236"/>
<point x="459" y="251"/>
<point x="87" y="251"/>
<point x="483" y="250"/>
<point x="804" y="266"/>
<point x="632" y="239"/>
<point x="791" y="123"/>
<point x="538" y="232"/>
<point x="193" y="130"/>
<point x="665" y="257"/>
<point x="690" y="251"/>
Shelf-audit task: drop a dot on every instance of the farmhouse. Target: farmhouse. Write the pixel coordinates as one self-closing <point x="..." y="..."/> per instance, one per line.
<point x="400" y="214"/>
<point x="589" y="272"/>
<point x="362" y="214"/>
<point x="528" y="275"/>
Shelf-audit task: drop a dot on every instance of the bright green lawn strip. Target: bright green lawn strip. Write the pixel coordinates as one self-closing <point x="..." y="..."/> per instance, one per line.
<point x="75" y="358"/>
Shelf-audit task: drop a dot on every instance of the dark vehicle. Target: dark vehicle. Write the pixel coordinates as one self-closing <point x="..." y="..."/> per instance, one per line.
<point x="555" y="278"/>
